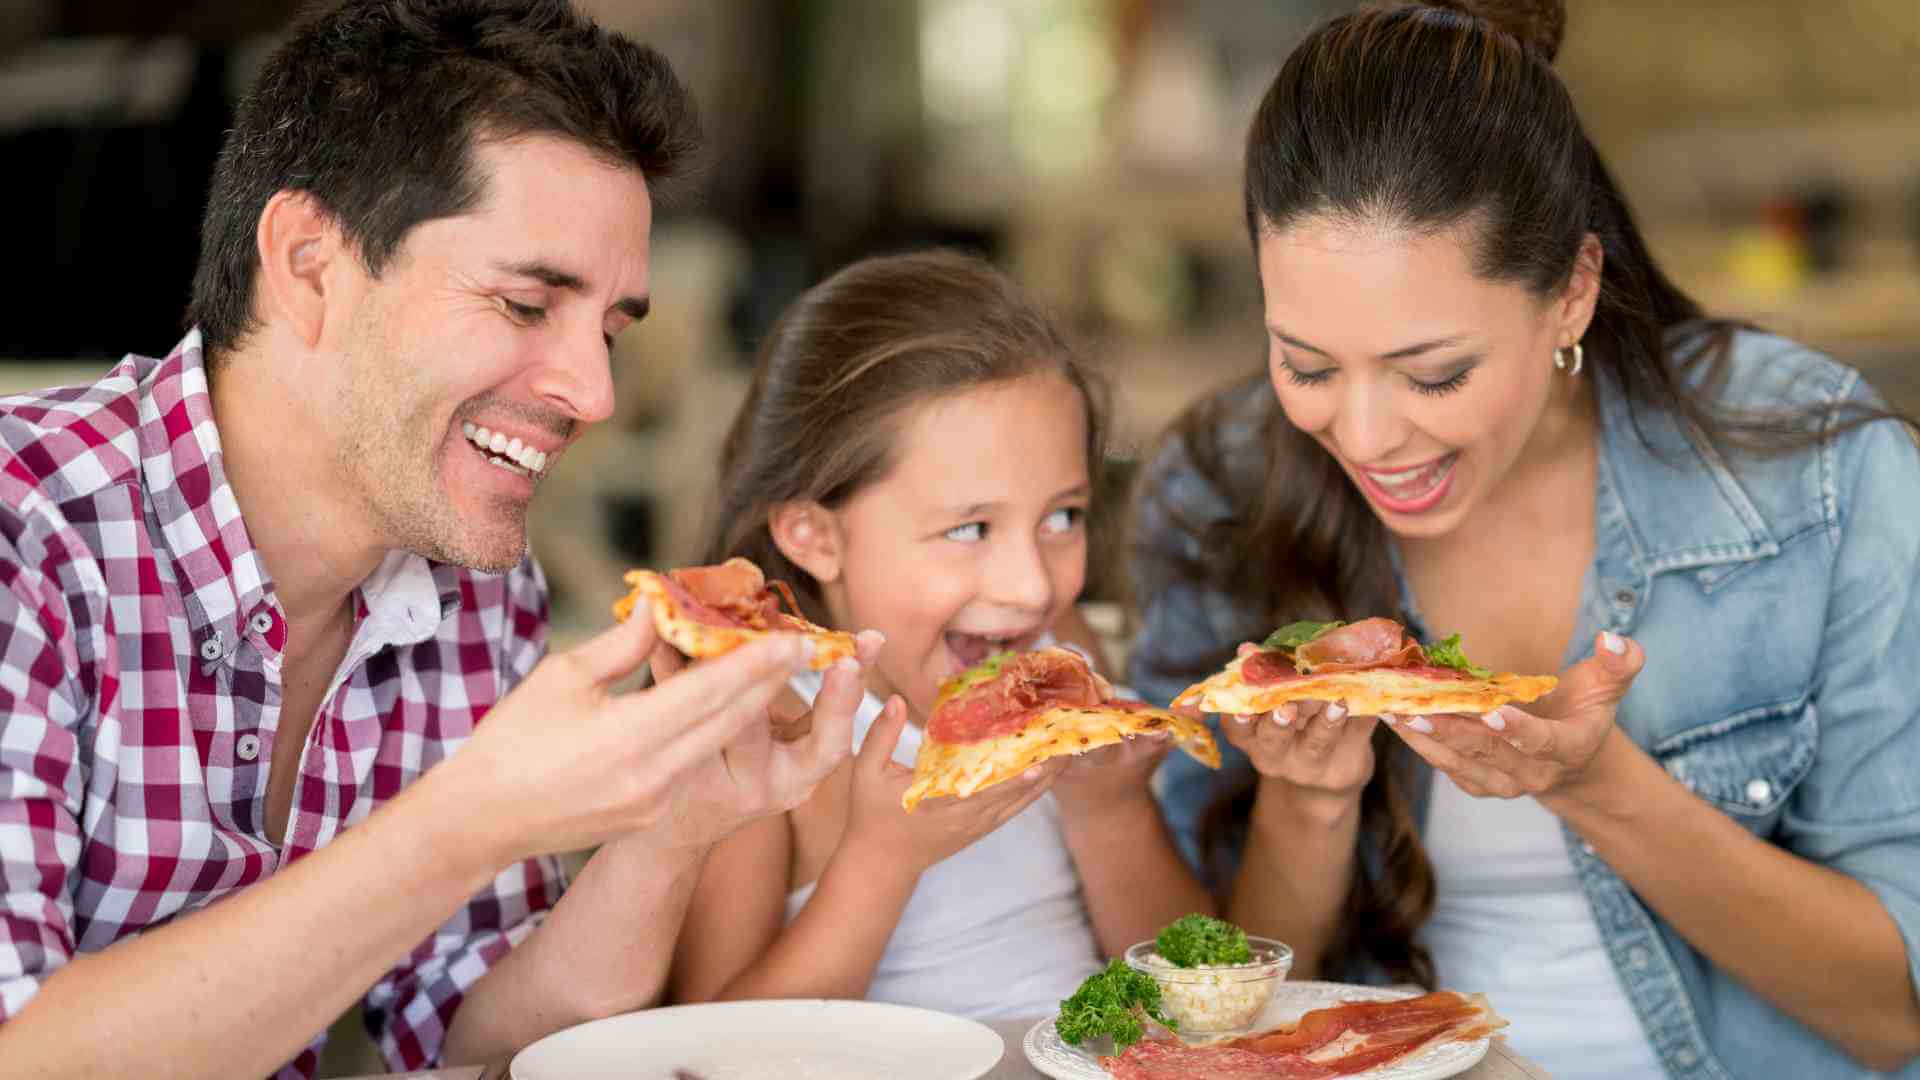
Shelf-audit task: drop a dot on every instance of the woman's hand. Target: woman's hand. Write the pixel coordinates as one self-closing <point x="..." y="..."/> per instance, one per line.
<point x="938" y="827"/>
<point x="1313" y="745"/>
<point x="1556" y="750"/>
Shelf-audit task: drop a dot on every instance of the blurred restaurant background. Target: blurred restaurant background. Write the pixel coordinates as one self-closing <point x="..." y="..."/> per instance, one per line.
<point x="1771" y="148"/>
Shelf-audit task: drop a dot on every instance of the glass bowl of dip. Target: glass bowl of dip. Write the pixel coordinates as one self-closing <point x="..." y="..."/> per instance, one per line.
<point x="1215" y="999"/>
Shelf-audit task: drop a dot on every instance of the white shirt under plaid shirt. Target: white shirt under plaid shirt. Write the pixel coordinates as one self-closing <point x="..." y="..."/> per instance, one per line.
<point x="140" y="647"/>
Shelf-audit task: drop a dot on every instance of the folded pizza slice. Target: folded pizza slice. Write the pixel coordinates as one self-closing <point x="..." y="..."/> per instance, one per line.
<point x="707" y="611"/>
<point x="1372" y="667"/>
<point x="998" y="719"/>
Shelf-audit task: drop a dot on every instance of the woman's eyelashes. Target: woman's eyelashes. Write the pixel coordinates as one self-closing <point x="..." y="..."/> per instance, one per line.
<point x="1448" y="385"/>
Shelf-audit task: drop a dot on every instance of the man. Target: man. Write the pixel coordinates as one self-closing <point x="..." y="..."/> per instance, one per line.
<point x="255" y="595"/>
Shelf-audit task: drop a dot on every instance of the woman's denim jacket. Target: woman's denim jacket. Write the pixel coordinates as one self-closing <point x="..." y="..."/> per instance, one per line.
<point x="1777" y="604"/>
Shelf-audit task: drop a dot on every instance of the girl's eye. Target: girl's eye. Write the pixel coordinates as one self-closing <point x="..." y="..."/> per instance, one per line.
<point x="524" y="314"/>
<point x="1445" y="386"/>
<point x="971" y="533"/>
<point x="1065" y="519"/>
<point x="1305" y="378"/>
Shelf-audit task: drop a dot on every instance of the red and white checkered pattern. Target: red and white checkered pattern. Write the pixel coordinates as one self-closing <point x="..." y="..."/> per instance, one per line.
<point x="140" y="655"/>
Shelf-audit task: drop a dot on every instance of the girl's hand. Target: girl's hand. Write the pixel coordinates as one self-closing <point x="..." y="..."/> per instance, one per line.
<point x="1110" y="776"/>
<point x="1313" y="745"/>
<point x="936" y="828"/>
<point x="1553" y="751"/>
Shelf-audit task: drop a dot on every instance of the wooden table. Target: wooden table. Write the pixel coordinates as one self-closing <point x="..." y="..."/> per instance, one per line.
<point x="1499" y="1064"/>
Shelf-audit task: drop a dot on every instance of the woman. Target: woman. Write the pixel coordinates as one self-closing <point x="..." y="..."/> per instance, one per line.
<point x="1488" y="412"/>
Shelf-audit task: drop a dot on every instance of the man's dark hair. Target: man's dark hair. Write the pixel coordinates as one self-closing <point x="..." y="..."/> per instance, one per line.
<point x="374" y="107"/>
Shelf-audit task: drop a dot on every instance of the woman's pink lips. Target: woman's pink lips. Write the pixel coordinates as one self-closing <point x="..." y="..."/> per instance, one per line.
<point x="1408" y="506"/>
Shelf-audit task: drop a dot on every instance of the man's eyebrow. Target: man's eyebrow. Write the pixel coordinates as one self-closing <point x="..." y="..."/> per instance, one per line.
<point x="634" y="307"/>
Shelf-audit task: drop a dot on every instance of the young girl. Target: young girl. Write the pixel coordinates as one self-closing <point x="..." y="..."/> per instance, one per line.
<point x="915" y="457"/>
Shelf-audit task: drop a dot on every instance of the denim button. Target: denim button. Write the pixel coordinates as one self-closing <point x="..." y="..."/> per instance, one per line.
<point x="1758" y="791"/>
<point x="1625" y="597"/>
<point x="1638" y="958"/>
<point x="1686" y="1057"/>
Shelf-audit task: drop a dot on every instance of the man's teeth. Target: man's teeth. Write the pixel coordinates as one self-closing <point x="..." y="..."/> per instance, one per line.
<point x="494" y="442"/>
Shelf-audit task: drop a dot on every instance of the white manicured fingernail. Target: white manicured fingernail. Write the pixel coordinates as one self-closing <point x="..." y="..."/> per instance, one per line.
<point x="1389" y="719"/>
<point x="1242" y="719"/>
<point x="1336" y="711"/>
<point x="1279" y="717"/>
<point x="874" y="636"/>
<point x="1420" y="724"/>
<point x="846" y="665"/>
<point x="1615" y="644"/>
<point x="1495" y="720"/>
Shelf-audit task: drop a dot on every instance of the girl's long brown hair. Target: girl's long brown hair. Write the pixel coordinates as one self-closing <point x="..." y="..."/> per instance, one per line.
<point x="1423" y="117"/>
<point x="844" y="364"/>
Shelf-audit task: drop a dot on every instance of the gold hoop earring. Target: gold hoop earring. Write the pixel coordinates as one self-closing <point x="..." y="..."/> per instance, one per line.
<point x="1579" y="359"/>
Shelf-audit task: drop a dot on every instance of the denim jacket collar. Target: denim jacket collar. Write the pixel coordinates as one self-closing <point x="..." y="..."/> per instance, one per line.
<point x="1648" y="471"/>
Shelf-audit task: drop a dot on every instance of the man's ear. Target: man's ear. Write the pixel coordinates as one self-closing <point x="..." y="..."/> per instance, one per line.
<point x="297" y="242"/>
<point x="808" y="534"/>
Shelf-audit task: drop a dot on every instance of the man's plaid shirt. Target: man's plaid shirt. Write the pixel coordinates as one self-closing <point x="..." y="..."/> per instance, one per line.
<point x="140" y="652"/>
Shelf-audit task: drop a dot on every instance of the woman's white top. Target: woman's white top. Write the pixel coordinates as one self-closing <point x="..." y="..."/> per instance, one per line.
<point x="996" y="931"/>
<point x="1511" y="921"/>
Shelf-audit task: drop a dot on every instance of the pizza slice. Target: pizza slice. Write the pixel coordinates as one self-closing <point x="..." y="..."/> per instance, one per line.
<point x="996" y="720"/>
<point x="1371" y="666"/>
<point x="707" y="611"/>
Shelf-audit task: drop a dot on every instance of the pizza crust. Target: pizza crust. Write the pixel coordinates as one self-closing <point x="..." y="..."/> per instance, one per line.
<point x="960" y="769"/>
<point x="700" y="641"/>
<point x="1365" y="693"/>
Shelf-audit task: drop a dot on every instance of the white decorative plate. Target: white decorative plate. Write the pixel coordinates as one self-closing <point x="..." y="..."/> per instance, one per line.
<point x="767" y="1040"/>
<point x="1290" y="1001"/>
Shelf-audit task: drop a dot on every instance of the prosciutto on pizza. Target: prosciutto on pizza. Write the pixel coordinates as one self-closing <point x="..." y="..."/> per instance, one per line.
<point x="1371" y="666"/>
<point x="706" y="611"/>
<point x="998" y="719"/>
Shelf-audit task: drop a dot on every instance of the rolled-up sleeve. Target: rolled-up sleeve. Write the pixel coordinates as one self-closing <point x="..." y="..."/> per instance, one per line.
<point x="410" y="1010"/>
<point x="41" y="781"/>
<point x="1858" y="811"/>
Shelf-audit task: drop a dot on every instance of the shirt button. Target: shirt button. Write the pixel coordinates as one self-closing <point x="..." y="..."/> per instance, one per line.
<point x="247" y="747"/>
<point x="1686" y="1057"/>
<point x="1625" y="597"/>
<point x="261" y="622"/>
<point x="1587" y="846"/>
<point x="210" y="648"/>
<point x="1758" y="791"/>
<point x="1638" y="958"/>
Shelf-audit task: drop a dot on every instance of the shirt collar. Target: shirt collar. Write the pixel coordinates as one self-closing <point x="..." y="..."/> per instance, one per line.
<point x="225" y="583"/>
<point x="1682" y="505"/>
<point x="192" y="504"/>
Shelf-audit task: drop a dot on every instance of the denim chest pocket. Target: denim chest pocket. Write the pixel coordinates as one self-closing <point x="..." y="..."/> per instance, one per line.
<point x="1749" y="763"/>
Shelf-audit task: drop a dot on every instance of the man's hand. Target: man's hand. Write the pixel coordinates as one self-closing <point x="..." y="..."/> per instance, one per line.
<point x="564" y="763"/>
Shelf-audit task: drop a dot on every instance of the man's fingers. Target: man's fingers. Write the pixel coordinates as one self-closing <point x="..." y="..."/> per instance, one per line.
<point x="665" y="661"/>
<point x="617" y="651"/>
